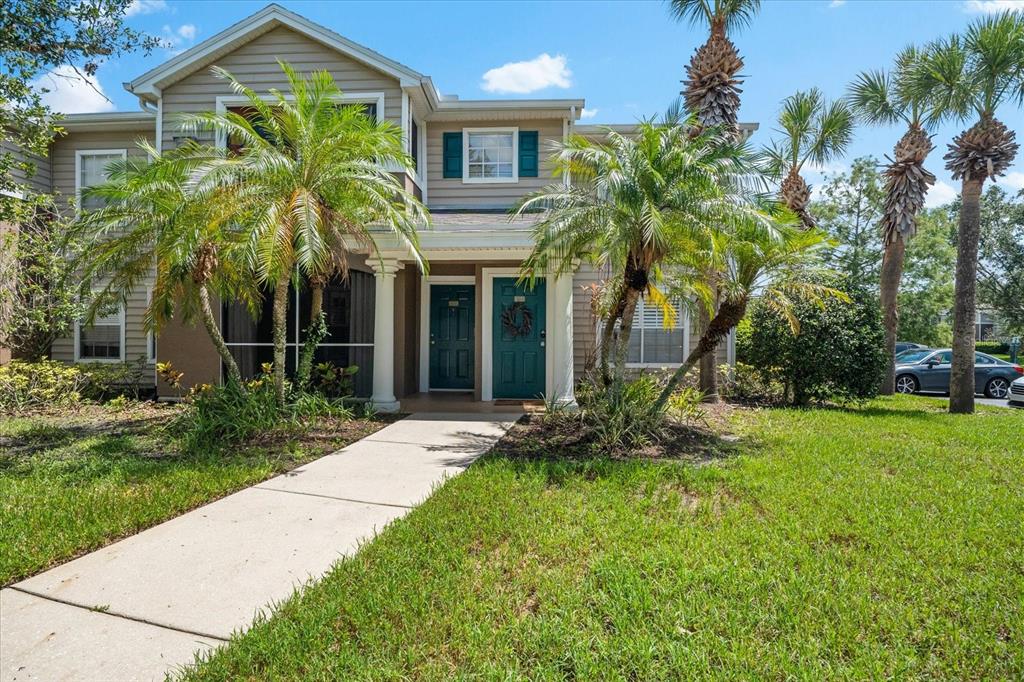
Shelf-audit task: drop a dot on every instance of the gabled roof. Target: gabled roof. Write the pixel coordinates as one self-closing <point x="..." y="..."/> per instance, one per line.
<point x="149" y="84"/>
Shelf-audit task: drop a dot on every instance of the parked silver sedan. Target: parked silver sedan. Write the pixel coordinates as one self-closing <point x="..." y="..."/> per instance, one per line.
<point x="1016" y="397"/>
<point x="928" y="371"/>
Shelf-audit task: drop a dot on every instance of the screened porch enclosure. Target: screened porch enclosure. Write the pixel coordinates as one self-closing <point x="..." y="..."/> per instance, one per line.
<point x="348" y="310"/>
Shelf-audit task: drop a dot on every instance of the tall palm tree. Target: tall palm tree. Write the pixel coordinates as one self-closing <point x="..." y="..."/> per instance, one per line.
<point x="879" y="98"/>
<point x="711" y="91"/>
<point x="631" y="198"/>
<point x="156" y="219"/>
<point x="711" y="88"/>
<point x="972" y="76"/>
<point x="775" y="260"/>
<point x="311" y="177"/>
<point x="814" y="131"/>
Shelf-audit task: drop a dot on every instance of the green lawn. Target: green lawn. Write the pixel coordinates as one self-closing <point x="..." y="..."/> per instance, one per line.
<point x="869" y="543"/>
<point x="73" y="482"/>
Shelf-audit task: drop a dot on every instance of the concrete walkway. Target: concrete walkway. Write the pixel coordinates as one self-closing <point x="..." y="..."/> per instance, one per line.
<point x="140" y="607"/>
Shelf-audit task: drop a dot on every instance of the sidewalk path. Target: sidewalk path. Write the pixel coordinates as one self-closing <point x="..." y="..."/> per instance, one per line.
<point x="142" y="606"/>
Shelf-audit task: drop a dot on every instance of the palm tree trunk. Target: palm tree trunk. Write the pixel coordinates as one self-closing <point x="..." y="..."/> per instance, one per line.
<point x="608" y="338"/>
<point x="728" y="316"/>
<point x="961" y="378"/>
<point x="708" y="380"/>
<point x="625" y="331"/>
<point x="280" y="332"/>
<point x="210" y="322"/>
<point x="316" y="307"/>
<point x="892" y="271"/>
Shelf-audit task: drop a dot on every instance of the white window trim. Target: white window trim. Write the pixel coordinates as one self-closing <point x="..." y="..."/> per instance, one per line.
<point x="79" y="155"/>
<point x="466" y="180"/>
<point x="355" y="96"/>
<point x="78" y="341"/>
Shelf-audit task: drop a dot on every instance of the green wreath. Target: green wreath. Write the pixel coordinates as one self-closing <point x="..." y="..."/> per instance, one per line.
<point x="517" y="319"/>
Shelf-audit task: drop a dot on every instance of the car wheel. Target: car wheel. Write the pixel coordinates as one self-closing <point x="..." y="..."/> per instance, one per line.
<point x="906" y="384"/>
<point x="998" y="388"/>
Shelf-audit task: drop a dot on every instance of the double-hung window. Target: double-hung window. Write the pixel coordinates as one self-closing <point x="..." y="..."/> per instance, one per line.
<point x="652" y="342"/>
<point x="492" y="155"/>
<point x="91" y="169"/>
<point x="103" y="340"/>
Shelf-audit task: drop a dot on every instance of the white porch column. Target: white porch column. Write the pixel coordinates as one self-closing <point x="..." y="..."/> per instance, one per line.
<point x="561" y="335"/>
<point x="384" y="336"/>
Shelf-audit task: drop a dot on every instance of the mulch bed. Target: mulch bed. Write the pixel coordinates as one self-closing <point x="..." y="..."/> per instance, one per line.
<point x="537" y="436"/>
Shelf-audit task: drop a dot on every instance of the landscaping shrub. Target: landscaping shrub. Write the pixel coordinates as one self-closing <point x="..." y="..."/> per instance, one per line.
<point x="37" y="385"/>
<point x="107" y="380"/>
<point x="623" y="416"/>
<point x="747" y="384"/>
<point x="837" y="354"/>
<point x="992" y="347"/>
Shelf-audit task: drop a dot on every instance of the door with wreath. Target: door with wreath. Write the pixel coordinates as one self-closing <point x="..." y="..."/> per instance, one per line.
<point x="519" y="339"/>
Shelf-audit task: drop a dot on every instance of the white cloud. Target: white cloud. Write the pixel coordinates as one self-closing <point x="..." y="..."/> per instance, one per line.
<point x="538" y="73"/>
<point x="187" y="31"/>
<point x="837" y="3"/>
<point x="588" y="113"/>
<point x="993" y="6"/>
<point x="70" y="93"/>
<point x="145" y="7"/>
<point x="1013" y="181"/>
<point x="940" y="194"/>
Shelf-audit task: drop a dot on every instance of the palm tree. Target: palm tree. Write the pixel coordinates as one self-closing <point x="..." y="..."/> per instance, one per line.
<point x="882" y="99"/>
<point x="973" y="76"/>
<point x="711" y="88"/>
<point x="711" y="91"/>
<point x="774" y="259"/>
<point x="632" y="196"/>
<point x="815" y="131"/>
<point x="156" y="219"/>
<point x="310" y="177"/>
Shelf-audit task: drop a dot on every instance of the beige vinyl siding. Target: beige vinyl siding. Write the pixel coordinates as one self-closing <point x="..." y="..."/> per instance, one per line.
<point x="62" y="157"/>
<point x="255" y="64"/>
<point x="39" y="182"/>
<point x="453" y="193"/>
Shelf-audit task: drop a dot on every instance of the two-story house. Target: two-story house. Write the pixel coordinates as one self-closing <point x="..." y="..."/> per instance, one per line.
<point x="410" y="334"/>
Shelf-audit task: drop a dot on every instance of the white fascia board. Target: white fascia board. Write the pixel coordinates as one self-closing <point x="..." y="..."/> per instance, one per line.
<point x="267" y="19"/>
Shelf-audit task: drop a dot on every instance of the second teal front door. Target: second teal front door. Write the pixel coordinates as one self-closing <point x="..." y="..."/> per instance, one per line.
<point x="452" y="318"/>
<point x="519" y="339"/>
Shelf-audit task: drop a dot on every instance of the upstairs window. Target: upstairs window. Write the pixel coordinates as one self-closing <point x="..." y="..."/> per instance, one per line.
<point x="491" y="155"/>
<point x="91" y="170"/>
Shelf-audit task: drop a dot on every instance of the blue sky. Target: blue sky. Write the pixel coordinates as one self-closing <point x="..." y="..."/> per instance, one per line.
<point x="625" y="58"/>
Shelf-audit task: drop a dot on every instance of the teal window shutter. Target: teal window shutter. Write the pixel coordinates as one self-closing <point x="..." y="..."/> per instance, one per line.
<point x="453" y="155"/>
<point x="529" y="153"/>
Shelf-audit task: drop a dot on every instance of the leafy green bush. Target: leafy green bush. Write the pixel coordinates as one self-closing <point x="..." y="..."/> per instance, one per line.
<point x="43" y="384"/>
<point x="624" y="415"/>
<point x="107" y="380"/>
<point x="992" y="347"/>
<point x="747" y="384"/>
<point x="333" y="381"/>
<point x="837" y="354"/>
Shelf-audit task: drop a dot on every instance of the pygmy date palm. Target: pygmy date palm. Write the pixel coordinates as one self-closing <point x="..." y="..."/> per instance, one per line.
<point x="971" y="77"/>
<point x="880" y="98"/>
<point x="311" y="176"/>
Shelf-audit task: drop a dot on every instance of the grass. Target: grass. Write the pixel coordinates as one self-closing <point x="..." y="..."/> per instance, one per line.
<point x="72" y="482"/>
<point x="865" y="543"/>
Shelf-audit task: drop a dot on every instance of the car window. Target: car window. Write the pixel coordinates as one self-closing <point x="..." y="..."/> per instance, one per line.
<point x="912" y="356"/>
<point x="980" y="359"/>
<point x="943" y="357"/>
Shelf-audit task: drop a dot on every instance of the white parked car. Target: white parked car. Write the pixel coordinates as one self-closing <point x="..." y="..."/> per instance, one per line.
<point x="1016" y="394"/>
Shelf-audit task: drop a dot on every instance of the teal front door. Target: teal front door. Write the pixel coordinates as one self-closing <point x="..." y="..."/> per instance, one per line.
<point x="519" y="339"/>
<point x="452" y="317"/>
